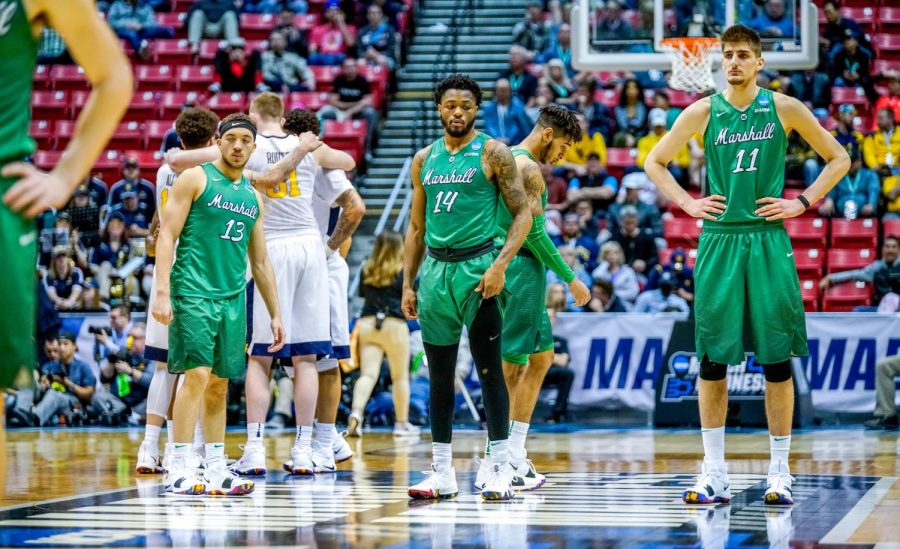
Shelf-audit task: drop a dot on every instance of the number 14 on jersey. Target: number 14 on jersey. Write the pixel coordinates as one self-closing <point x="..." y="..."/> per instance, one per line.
<point x="445" y="199"/>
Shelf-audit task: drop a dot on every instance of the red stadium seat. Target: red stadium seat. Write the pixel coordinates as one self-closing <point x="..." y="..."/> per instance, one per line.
<point x="129" y="135"/>
<point x="154" y="131"/>
<point x="260" y="45"/>
<point x="810" y="262"/>
<point x="865" y="16"/>
<point x="887" y="45"/>
<point x="208" y="49"/>
<point x="306" y="21"/>
<point x="153" y="77"/>
<point x="307" y="100"/>
<point x="844" y="297"/>
<point x="174" y="20"/>
<point x="143" y="106"/>
<point x="682" y="232"/>
<point x="610" y="98"/>
<point x="809" y="289"/>
<point x="257" y="26"/>
<point x="807" y="232"/>
<point x="196" y="78"/>
<point x="172" y="52"/>
<point x="325" y="76"/>
<point x="41" y="80"/>
<point x="42" y="132"/>
<point x="845" y="260"/>
<point x="68" y="77"/>
<point x="171" y="103"/>
<point x="377" y="77"/>
<point x="346" y="135"/>
<point x="617" y="159"/>
<point x="224" y="104"/>
<point x="65" y="129"/>
<point x="149" y="161"/>
<point x="109" y="166"/>
<point x="892" y="227"/>
<point x="46" y="160"/>
<point x="856" y="96"/>
<point x="46" y="105"/>
<point x="856" y="233"/>
<point x="889" y="19"/>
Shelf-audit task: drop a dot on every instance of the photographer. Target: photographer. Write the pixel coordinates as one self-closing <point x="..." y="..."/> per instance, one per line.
<point x="112" y="339"/>
<point x="64" y="384"/>
<point x="126" y="381"/>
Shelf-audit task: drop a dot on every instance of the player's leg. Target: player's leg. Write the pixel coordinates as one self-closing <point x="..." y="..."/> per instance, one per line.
<point x="306" y="390"/>
<point x="329" y="372"/>
<point x="159" y="398"/>
<point x="327" y="402"/>
<point x="395" y="340"/>
<point x="371" y="356"/>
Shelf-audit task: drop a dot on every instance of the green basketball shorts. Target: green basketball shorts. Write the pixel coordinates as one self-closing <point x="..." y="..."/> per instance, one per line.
<point x="526" y="325"/>
<point x="745" y="273"/>
<point x="18" y="297"/>
<point x="447" y="298"/>
<point x="208" y="332"/>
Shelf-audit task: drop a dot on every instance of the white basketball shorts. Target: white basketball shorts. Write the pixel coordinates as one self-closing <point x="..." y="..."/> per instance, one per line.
<point x="157" y="342"/>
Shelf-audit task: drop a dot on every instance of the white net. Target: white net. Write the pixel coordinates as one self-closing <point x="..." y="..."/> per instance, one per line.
<point x="691" y="64"/>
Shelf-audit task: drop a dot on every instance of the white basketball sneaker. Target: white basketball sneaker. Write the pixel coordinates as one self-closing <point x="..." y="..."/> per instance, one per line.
<point x="148" y="460"/>
<point x="406" y="430"/>
<point x="342" y="450"/>
<point x="221" y="481"/>
<point x="779" y="481"/>
<point x="253" y="462"/>
<point x="529" y="477"/>
<point x="323" y="459"/>
<point x="711" y="486"/>
<point x="182" y="479"/>
<point x="437" y="485"/>
<point x="499" y="484"/>
<point x="484" y="472"/>
<point x="168" y="454"/>
<point x="301" y="462"/>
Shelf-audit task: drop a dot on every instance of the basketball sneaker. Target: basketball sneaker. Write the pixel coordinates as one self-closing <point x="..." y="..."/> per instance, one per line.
<point x="323" y="458"/>
<point x="221" y="481"/>
<point x="529" y="477"/>
<point x="148" y="460"/>
<point x="252" y="463"/>
<point x="168" y="453"/>
<point x="437" y="485"/>
<point x="778" y="491"/>
<point x="354" y="425"/>
<point x="406" y="430"/>
<point x="301" y="462"/>
<point x="183" y="480"/>
<point x="499" y="484"/>
<point x="484" y="472"/>
<point x="342" y="450"/>
<point x="711" y="486"/>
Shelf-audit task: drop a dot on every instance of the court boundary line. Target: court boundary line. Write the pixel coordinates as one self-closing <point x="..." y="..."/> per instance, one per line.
<point x="68" y="498"/>
<point x="859" y="513"/>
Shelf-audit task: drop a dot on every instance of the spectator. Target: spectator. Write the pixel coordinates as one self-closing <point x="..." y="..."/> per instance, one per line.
<point x="648" y="216"/>
<point x="883" y="274"/>
<point x="296" y="38"/>
<point x="774" y="21"/>
<point x="85" y="219"/>
<point x="856" y="194"/>
<point x="604" y="299"/>
<point x="126" y="381"/>
<point x="556" y="78"/>
<point x="560" y="49"/>
<point x="284" y="70"/>
<point x="532" y="34"/>
<point x="555" y="299"/>
<point x="662" y="101"/>
<point x="135" y="214"/>
<point x="96" y="190"/>
<point x="377" y="40"/>
<point x="578" y="155"/>
<point x="613" y="27"/>
<point x="800" y="160"/>
<point x="631" y="115"/>
<point x="813" y="89"/>
<point x="352" y="98"/>
<point x="212" y="19"/>
<point x="678" y="268"/>
<point x="614" y="269"/>
<point x="135" y="22"/>
<point x="557" y="190"/>
<point x="504" y="117"/>
<point x="881" y="152"/>
<point x="523" y="83"/>
<point x="52" y="50"/>
<point x="236" y="71"/>
<point x="65" y="383"/>
<point x="891" y="100"/>
<point x="638" y="244"/>
<point x="112" y="254"/>
<point x="663" y="299"/>
<point x="113" y="339"/>
<point x="382" y="330"/>
<point x="844" y="132"/>
<point x="63" y="281"/>
<point x="274" y="6"/>
<point x="595" y="185"/>
<point x="836" y="27"/>
<point x="559" y="375"/>
<point x="851" y="66"/>
<point x="330" y="41"/>
<point x="587" y="221"/>
<point x="64" y="234"/>
<point x="572" y="238"/>
<point x="570" y="256"/>
<point x="679" y="165"/>
<point x="543" y="98"/>
<point x="133" y="182"/>
<point x="885" y="417"/>
<point x="598" y="116"/>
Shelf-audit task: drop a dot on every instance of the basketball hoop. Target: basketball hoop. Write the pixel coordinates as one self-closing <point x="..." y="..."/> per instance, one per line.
<point x="691" y="63"/>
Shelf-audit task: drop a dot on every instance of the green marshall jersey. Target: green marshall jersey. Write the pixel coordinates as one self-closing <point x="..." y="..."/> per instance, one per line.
<point x="504" y="218"/>
<point x="460" y="202"/>
<point x="745" y="153"/>
<point x="211" y="261"/>
<point x="18" y="54"/>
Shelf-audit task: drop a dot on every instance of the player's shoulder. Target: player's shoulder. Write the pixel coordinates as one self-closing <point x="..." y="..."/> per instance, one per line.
<point x="421" y="155"/>
<point x="700" y="107"/>
<point x="788" y="105"/>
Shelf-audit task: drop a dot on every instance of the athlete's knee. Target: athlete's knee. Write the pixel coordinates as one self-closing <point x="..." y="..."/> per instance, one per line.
<point x="712" y="371"/>
<point x="197" y="378"/>
<point x="778" y="372"/>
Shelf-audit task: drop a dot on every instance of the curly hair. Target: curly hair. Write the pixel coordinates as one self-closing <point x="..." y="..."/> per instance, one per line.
<point x="563" y="122"/>
<point x="457" y="82"/>
<point x="739" y="33"/>
<point x="196" y="126"/>
<point x="298" y="121"/>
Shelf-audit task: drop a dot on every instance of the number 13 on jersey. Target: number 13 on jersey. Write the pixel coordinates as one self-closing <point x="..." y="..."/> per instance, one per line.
<point x="445" y="199"/>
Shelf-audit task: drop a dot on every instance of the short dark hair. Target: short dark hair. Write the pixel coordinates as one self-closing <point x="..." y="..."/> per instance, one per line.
<point x="299" y="121"/>
<point x="563" y="122"/>
<point x="664" y="95"/>
<point x="123" y="310"/>
<point x="590" y="84"/>
<point x="196" y="126"/>
<point x="739" y="33"/>
<point x="457" y="82"/>
<point x="605" y="284"/>
<point x="893" y="237"/>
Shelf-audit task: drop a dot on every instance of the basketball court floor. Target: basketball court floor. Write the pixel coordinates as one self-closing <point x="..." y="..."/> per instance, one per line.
<point x="605" y="488"/>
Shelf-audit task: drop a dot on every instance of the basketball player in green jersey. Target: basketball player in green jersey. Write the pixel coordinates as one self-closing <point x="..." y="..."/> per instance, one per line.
<point x="527" y="335"/>
<point x="214" y="214"/>
<point x="458" y="182"/>
<point x="745" y="266"/>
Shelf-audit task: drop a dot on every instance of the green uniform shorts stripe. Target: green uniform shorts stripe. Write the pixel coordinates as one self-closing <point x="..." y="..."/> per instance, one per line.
<point x="526" y="325"/>
<point x="745" y="275"/>
<point x="208" y="332"/>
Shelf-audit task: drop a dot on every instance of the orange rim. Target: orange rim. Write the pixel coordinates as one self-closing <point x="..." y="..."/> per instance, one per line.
<point x="696" y="46"/>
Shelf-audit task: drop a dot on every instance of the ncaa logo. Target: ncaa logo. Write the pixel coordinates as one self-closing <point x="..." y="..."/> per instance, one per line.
<point x="476" y="146"/>
<point x="680" y="364"/>
<point x="763" y="101"/>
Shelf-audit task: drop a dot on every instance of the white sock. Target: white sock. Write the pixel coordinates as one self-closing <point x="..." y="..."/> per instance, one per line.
<point x="199" y="439"/>
<point x="215" y="451"/>
<point x="170" y="429"/>
<point x="324" y="433"/>
<point x="334" y="431"/>
<point x="255" y="433"/>
<point x="304" y="436"/>
<point x="180" y="454"/>
<point x="517" y="433"/>
<point x="779" y="447"/>
<point x="151" y="435"/>
<point x="499" y="452"/>
<point x="714" y="446"/>
<point x="487" y="449"/>
<point x="442" y="454"/>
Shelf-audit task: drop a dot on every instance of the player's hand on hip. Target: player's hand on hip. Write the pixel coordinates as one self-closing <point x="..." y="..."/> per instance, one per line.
<point x="492" y="282"/>
<point x="309" y="141"/>
<point x="35" y="191"/>
<point x="580" y="292"/>
<point x="278" y="336"/>
<point x="410" y="304"/>
<point x="774" y="209"/>
<point x="162" y="310"/>
<point x="705" y="208"/>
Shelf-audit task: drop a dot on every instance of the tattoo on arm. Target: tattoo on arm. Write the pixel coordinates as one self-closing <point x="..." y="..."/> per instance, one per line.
<point x="352" y="211"/>
<point x="533" y="183"/>
<point x="513" y="193"/>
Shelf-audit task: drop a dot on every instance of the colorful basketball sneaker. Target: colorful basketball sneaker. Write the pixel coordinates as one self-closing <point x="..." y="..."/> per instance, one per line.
<point x="437" y="485"/>
<point x="221" y="481"/>
<point x="301" y="462"/>
<point x="252" y="463"/>
<point x="779" y="481"/>
<point x="182" y="479"/>
<point x="711" y="486"/>
<point x="498" y="486"/>
<point x="148" y="460"/>
<point x="530" y="478"/>
<point x="323" y="458"/>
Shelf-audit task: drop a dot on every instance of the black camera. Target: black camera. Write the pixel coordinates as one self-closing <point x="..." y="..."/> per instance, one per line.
<point x="118" y="356"/>
<point x="97" y="330"/>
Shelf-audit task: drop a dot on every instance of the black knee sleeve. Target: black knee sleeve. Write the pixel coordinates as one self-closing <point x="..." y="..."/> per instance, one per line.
<point x="712" y="371"/>
<point x="484" y="342"/>
<point x="778" y="372"/>
<point x="442" y="391"/>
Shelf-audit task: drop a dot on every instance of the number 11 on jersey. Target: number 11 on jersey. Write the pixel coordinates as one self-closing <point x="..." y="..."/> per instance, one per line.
<point x="446" y="199"/>
<point x="740" y="160"/>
